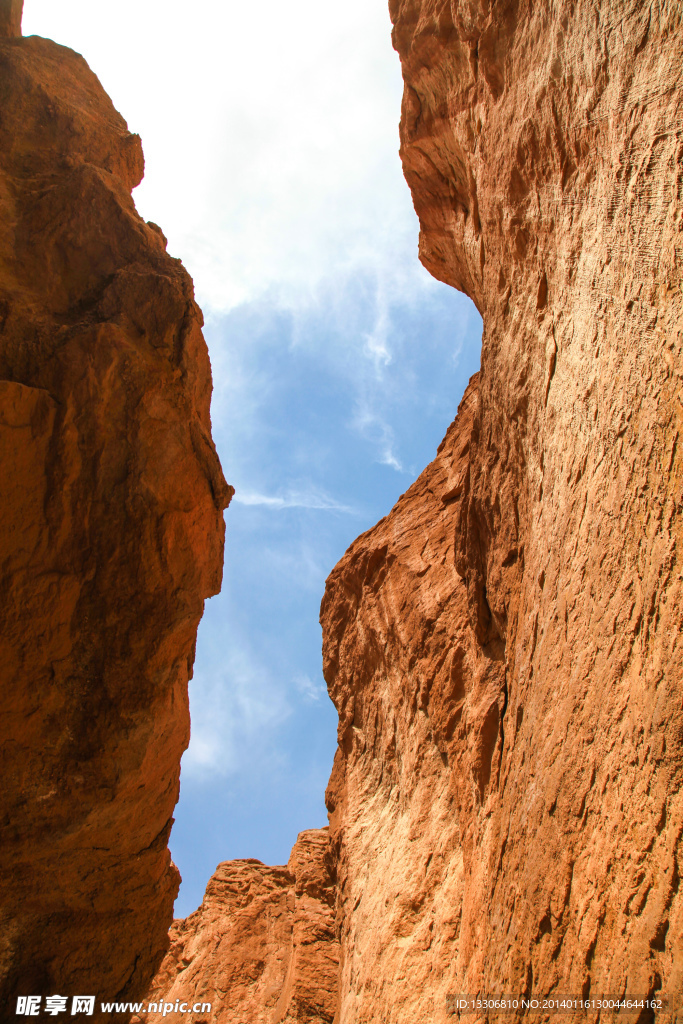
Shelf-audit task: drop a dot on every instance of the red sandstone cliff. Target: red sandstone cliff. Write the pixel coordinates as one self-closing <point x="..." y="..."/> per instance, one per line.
<point x="262" y="947"/>
<point x="112" y="534"/>
<point x="505" y="648"/>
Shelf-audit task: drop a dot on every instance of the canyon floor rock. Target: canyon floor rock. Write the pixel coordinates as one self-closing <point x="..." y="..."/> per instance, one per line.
<point x="262" y="946"/>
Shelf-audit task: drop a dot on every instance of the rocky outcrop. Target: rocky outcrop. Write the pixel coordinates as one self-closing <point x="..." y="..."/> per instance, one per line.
<point x="112" y="534"/>
<point x="505" y="648"/>
<point x="261" y="948"/>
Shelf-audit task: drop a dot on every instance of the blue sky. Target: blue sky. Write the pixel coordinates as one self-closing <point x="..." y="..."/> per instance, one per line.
<point x="270" y="136"/>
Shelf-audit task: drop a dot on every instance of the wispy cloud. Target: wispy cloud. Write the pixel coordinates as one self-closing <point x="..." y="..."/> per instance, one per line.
<point x="371" y="424"/>
<point x="311" y="692"/>
<point x="237" y="709"/>
<point x="377" y="341"/>
<point x="387" y="458"/>
<point x="294" y="499"/>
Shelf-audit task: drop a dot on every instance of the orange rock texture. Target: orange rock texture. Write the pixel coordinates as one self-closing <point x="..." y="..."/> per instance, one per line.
<point x="112" y="535"/>
<point x="505" y="648"/>
<point x="261" y="948"/>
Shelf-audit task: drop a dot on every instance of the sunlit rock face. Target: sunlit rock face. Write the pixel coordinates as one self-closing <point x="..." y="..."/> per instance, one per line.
<point x="112" y="535"/>
<point x="261" y="948"/>
<point x="505" y="648"/>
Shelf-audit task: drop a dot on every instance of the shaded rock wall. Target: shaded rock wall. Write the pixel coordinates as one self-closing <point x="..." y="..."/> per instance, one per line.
<point x="505" y="648"/>
<point x="111" y="537"/>
<point x="262" y="946"/>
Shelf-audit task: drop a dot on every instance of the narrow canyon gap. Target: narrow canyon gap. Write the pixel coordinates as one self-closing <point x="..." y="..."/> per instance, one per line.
<point x="503" y="649"/>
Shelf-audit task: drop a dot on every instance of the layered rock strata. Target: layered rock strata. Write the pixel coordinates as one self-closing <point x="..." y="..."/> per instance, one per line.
<point x="112" y="535"/>
<point x="505" y="648"/>
<point x="262" y="946"/>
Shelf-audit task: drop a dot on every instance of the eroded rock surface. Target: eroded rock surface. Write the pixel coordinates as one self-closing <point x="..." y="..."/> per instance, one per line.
<point x="262" y="947"/>
<point x="111" y="535"/>
<point x="505" y="648"/>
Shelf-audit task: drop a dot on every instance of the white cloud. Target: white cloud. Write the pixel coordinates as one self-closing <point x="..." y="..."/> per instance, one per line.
<point x="237" y="709"/>
<point x="270" y="133"/>
<point x="371" y="425"/>
<point x="311" y="692"/>
<point x="312" y="499"/>
<point x="376" y="343"/>
<point x="387" y="458"/>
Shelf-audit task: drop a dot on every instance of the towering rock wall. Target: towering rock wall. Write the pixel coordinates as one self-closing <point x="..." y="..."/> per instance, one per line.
<point x="505" y="648"/>
<point x="111" y="535"/>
